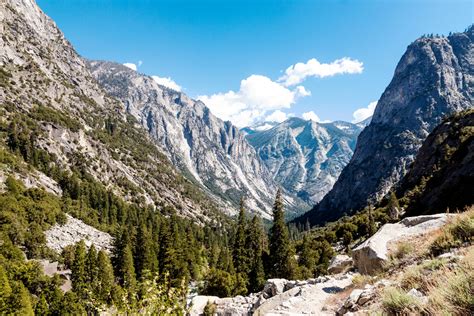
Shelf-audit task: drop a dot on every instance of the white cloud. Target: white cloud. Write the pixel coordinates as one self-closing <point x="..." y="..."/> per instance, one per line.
<point x="297" y="73"/>
<point x="140" y="63"/>
<point x="363" y="113"/>
<point x="311" y="116"/>
<point x="167" y="82"/>
<point x="256" y="97"/>
<point x="131" y="66"/>
<point x="264" y="127"/>
<point x="277" y="116"/>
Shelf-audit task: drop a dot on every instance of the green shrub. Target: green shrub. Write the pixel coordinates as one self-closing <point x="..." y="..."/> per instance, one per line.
<point x="396" y="301"/>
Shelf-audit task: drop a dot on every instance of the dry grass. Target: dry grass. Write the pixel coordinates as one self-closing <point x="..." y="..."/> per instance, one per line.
<point x="452" y="291"/>
<point x="460" y="230"/>
<point x="395" y="301"/>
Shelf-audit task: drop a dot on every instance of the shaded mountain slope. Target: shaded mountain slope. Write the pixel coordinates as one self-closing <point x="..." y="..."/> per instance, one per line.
<point x="442" y="175"/>
<point x="434" y="78"/>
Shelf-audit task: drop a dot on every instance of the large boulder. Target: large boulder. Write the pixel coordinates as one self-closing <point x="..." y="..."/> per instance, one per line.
<point x="339" y="264"/>
<point x="372" y="254"/>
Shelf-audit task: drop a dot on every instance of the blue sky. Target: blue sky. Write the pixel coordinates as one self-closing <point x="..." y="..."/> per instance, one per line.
<point x="210" y="48"/>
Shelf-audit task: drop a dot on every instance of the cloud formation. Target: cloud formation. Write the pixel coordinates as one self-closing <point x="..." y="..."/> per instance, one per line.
<point x="131" y="66"/>
<point x="257" y="96"/>
<point x="277" y="116"/>
<point x="311" y="116"/>
<point x="364" y="113"/>
<point x="298" y="72"/>
<point x="167" y="82"/>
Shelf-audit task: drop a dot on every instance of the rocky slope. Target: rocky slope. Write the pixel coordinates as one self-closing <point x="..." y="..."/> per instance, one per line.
<point x="306" y="157"/>
<point x="213" y="152"/>
<point x="49" y="99"/>
<point x="434" y="78"/>
<point x="442" y="175"/>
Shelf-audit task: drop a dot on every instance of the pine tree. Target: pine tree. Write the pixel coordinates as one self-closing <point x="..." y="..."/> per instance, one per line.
<point x="283" y="263"/>
<point x="393" y="207"/>
<point x="127" y="270"/>
<point x="308" y="258"/>
<point x="255" y="246"/>
<point x="239" y="254"/>
<point x="145" y="258"/>
<point x="92" y="270"/>
<point x="372" y="226"/>
<point x="105" y="279"/>
<point x="42" y="307"/>
<point x="5" y="290"/>
<point x="20" y="301"/>
<point x="78" y="269"/>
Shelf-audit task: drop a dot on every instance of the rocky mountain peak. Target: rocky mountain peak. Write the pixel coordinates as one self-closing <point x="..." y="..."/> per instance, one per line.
<point x="305" y="156"/>
<point x="434" y="78"/>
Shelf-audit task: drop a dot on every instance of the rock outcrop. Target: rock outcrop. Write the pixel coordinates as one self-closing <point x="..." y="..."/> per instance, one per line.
<point x="339" y="264"/>
<point x="279" y="297"/>
<point x="306" y="157"/>
<point x="372" y="254"/>
<point x="434" y="79"/>
<point x="60" y="236"/>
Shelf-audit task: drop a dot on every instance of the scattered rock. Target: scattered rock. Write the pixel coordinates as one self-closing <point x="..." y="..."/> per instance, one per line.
<point x="339" y="264"/>
<point x="60" y="236"/>
<point x="370" y="256"/>
<point x="275" y="286"/>
<point x="418" y="295"/>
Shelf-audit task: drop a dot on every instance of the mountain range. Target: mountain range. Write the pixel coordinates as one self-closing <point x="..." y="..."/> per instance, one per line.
<point x="306" y="157"/>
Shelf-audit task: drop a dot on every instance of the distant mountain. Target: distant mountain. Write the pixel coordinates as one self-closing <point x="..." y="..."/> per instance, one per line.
<point x="212" y="152"/>
<point x="306" y="157"/>
<point x="434" y="78"/>
<point x="442" y="174"/>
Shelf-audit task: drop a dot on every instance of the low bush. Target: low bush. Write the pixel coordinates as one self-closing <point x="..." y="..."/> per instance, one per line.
<point x="396" y="301"/>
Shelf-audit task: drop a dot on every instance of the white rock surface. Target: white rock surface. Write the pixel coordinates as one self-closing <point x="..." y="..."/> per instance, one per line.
<point x="340" y="263"/>
<point x="279" y="297"/>
<point x="373" y="253"/>
<point x="60" y="236"/>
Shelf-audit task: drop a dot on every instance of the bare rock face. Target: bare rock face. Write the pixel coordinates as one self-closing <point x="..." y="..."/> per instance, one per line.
<point x="212" y="152"/>
<point x="60" y="236"/>
<point x="434" y="78"/>
<point x="306" y="157"/>
<point x="279" y="297"/>
<point x="339" y="263"/>
<point x="370" y="256"/>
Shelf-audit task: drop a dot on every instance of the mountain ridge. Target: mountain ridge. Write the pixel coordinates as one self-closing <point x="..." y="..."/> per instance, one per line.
<point x="434" y="78"/>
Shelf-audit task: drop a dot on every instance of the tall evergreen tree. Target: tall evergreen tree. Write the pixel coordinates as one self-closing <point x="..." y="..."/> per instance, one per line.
<point x="239" y="254"/>
<point x="78" y="269"/>
<point x="105" y="279"/>
<point x="283" y="264"/>
<point x="145" y="257"/>
<point x="127" y="270"/>
<point x="20" y="301"/>
<point x="92" y="271"/>
<point x="5" y="291"/>
<point x="255" y="246"/>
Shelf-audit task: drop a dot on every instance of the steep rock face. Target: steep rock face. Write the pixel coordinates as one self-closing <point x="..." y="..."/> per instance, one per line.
<point x="434" y="78"/>
<point x="443" y="172"/>
<point x="45" y="81"/>
<point x="306" y="157"/>
<point x="214" y="152"/>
